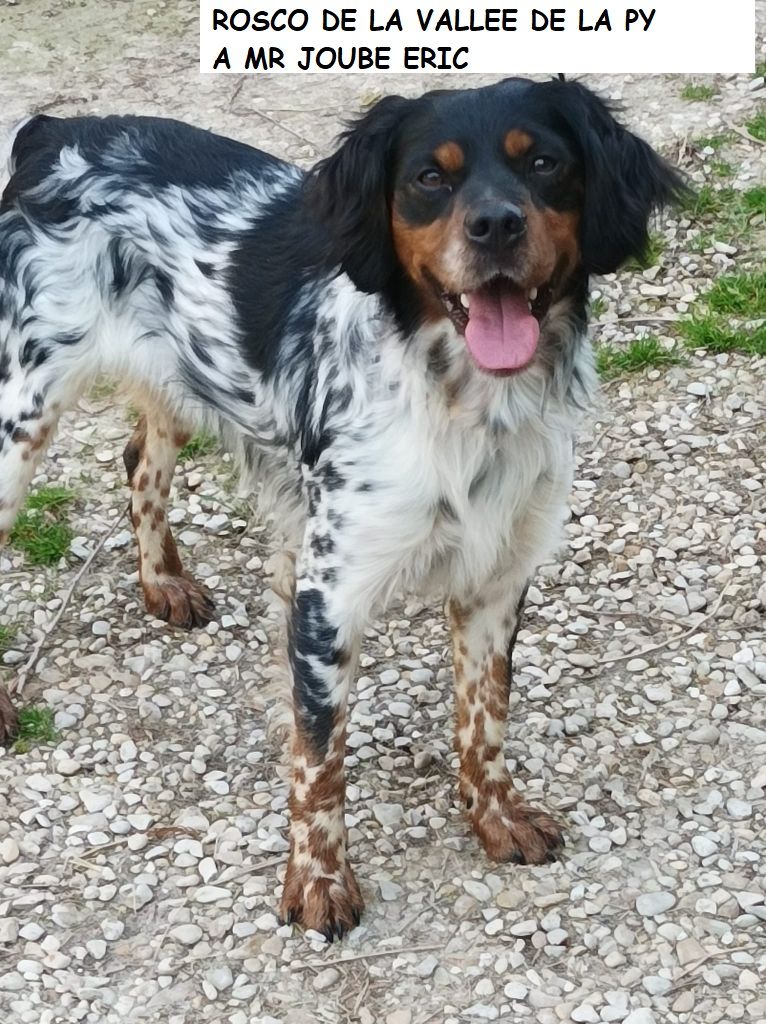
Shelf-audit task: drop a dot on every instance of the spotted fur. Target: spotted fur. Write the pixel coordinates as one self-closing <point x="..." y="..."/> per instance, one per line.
<point x="301" y="318"/>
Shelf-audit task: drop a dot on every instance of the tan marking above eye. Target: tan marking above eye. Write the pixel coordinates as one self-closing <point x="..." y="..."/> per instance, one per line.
<point x="518" y="142"/>
<point x="450" y="156"/>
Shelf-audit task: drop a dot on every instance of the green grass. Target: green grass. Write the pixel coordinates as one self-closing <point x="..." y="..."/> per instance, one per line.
<point x="721" y="169"/>
<point x="725" y="214"/>
<point x="642" y="354"/>
<point x="757" y="125"/>
<point x="739" y="295"/>
<point x="651" y="257"/>
<point x="717" y="335"/>
<point x="41" y="530"/>
<point x="708" y="202"/>
<point x="200" y="444"/>
<point x="598" y="307"/>
<point x="35" y="727"/>
<point x="694" y="93"/>
<point x="7" y="633"/>
<point x="754" y="200"/>
<point x="714" y="142"/>
<point x="713" y="324"/>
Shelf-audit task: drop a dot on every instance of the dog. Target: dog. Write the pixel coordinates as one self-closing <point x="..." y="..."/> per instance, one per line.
<point x="394" y="344"/>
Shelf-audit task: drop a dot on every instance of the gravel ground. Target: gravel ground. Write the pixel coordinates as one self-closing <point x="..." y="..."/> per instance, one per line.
<point x="141" y="855"/>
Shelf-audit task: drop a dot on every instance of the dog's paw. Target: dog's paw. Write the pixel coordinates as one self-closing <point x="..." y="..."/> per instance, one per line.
<point x="519" y="833"/>
<point x="180" y="601"/>
<point x="9" y="720"/>
<point x="331" y="905"/>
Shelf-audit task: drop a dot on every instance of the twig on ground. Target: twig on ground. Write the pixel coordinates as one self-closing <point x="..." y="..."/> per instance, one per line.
<point x="278" y="124"/>
<point x="745" y="134"/>
<point x="19" y="682"/>
<point x="673" y="639"/>
<point x="320" y="964"/>
<point x="706" y="959"/>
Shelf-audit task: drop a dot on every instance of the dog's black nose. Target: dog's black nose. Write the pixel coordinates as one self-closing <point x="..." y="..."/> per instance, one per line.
<point x="495" y="225"/>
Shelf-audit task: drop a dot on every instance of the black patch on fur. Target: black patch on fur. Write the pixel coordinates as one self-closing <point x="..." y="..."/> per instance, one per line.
<point x="156" y="152"/>
<point x="625" y="179"/>
<point x="199" y="347"/>
<point x="207" y="269"/>
<point x="438" y="360"/>
<point x="312" y="639"/>
<point x="517" y="627"/>
<point x="322" y="545"/>
<point x="331" y="478"/>
<point x="120" y="278"/>
<point x="445" y="508"/>
<point x="164" y="286"/>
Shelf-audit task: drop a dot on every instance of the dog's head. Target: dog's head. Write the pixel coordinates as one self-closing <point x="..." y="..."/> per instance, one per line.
<point x="489" y="204"/>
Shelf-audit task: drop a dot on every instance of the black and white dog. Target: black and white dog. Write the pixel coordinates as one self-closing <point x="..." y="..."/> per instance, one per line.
<point x="394" y="343"/>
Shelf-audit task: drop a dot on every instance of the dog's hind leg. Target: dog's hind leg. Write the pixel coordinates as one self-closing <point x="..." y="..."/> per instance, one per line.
<point x="31" y="404"/>
<point x="32" y="400"/>
<point x="150" y="459"/>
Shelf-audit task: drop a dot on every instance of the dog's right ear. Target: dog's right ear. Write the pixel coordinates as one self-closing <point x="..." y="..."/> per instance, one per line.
<point x="349" y="193"/>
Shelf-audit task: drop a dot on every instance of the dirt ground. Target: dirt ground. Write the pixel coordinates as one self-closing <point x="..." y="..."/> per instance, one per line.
<point x="141" y="854"/>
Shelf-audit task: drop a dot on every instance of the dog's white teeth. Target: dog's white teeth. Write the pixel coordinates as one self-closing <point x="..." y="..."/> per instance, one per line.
<point x="532" y="294"/>
<point x="464" y="300"/>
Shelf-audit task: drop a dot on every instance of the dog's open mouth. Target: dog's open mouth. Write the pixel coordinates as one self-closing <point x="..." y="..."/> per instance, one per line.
<point x="500" y="321"/>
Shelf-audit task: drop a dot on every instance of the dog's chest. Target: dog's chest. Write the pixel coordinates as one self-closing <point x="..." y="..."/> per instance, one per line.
<point x="442" y="495"/>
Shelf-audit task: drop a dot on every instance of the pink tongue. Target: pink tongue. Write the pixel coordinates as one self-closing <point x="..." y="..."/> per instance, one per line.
<point x="501" y="333"/>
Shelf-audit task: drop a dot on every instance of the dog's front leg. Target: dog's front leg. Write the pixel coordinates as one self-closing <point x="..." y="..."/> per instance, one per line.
<point x="483" y="633"/>
<point x="320" y="890"/>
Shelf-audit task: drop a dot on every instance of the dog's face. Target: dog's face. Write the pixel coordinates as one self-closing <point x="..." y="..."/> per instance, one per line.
<point x="485" y="206"/>
<point x="485" y="219"/>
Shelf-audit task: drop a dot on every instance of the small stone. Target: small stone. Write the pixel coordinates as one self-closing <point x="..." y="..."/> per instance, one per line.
<point x="704" y="734"/>
<point x="524" y="928"/>
<point x="586" y="1013"/>
<point x="478" y="890"/>
<point x="656" y="985"/>
<point x="739" y="809"/>
<point x="112" y="929"/>
<point x="220" y="978"/>
<point x="96" y="948"/>
<point x="399" y="1017"/>
<point x="643" y="1015"/>
<point x="388" y="814"/>
<point x="703" y="846"/>
<point x="651" y="904"/>
<point x="427" y="966"/>
<point x="9" y="850"/>
<point x="390" y="891"/>
<point x="516" y="991"/>
<point x="212" y="894"/>
<point x="186" y="934"/>
<point x="689" y="951"/>
<point x="684" y="1003"/>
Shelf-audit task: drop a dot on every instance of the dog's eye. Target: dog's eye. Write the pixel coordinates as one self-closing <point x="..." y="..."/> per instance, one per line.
<point x="544" y="164"/>
<point x="431" y="178"/>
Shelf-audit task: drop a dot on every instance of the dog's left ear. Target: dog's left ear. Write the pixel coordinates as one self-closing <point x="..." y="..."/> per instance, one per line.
<point x="625" y="181"/>
<point x="349" y="194"/>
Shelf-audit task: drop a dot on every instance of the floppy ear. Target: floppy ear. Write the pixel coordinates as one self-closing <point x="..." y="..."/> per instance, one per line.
<point x="349" y="194"/>
<point x="625" y="181"/>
